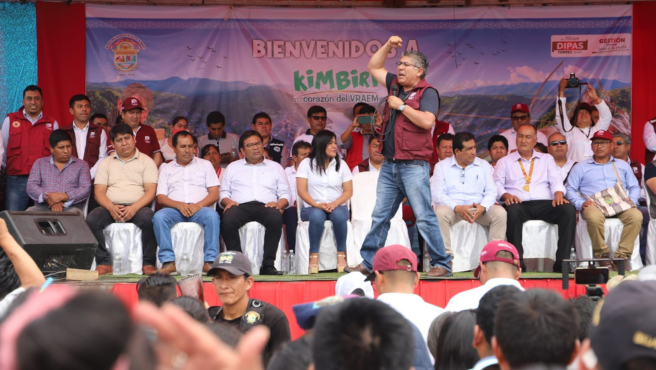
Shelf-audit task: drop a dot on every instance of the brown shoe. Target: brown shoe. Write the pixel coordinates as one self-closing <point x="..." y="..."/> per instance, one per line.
<point x="616" y="265"/>
<point x="104" y="269"/>
<point x="609" y="264"/>
<point x="207" y="266"/>
<point x="149" y="270"/>
<point x="438" y="272"/>
<point x="167" y="268"/>
<point x="359" y="268"/>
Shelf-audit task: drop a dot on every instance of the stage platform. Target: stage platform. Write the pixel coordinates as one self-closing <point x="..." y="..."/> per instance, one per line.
<point x="288" y="290"/>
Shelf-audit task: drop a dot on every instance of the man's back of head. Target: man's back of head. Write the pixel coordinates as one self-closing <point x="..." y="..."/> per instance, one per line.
<point x="158" y="289"/>
<point x="362" y="334"/>
<point x="395" y="270"/>
<point x="487" y="309"/>
<point x="499" y="259"/>
<point x="535" y="327"/>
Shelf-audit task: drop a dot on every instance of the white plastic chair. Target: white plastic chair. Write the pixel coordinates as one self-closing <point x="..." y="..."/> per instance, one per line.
<point x="539" y="239"/>
<point x="363" y="202"/>
<point x="650" y="255"/>
<point x="612" y="233"/>
<point x="467" y="242"/>
<point x="328" y="250"/>
<point x="251" y="237"/>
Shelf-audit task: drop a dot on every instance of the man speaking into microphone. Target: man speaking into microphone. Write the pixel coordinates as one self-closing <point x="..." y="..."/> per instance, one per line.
<point x="405" y="140"/>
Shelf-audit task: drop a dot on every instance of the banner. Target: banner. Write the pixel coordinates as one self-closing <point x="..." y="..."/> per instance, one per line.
<point x="193" y="60"/>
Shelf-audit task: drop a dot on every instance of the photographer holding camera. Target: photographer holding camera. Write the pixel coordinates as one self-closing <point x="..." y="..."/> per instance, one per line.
<point x="579" y="133"/>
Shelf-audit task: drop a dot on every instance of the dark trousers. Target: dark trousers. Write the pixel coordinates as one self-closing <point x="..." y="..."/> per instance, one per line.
<point x="290" y="219"/>
<point x="237" y="216"/>
<point x="563" y="215"/>
<point x="100" y="218"/>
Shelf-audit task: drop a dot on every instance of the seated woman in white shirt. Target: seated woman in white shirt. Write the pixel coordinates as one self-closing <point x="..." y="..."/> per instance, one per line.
<point x="166" y="144"/>
<point x="324" y="183"/>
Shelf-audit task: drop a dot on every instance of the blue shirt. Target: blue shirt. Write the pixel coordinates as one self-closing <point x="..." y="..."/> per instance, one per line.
<point x="589" y="177"/>
<point x="452" y="186"/>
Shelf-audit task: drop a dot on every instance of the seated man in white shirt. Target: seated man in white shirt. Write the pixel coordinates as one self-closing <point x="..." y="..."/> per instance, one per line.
<point x="531" y="185"/>
<point x="187" y="187"/>
<point x="254" y="189"/>
<point x="300" y="151"/>
<point x="499" y="265"/>
<point x="375" y="160"/>
<point x="463" y="189"/>
<point x="558" y="149"/>
<point x="396" y="277"/>
<point x="520" y="115"/>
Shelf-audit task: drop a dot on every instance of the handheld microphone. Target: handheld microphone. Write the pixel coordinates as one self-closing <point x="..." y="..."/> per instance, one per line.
<point x="395" y="90"/>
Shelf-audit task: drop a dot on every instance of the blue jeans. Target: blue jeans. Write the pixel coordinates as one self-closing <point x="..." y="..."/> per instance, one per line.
<point x="16" y="194"/>
<point x="395" y="182"/>
<point x="317" y="217"/>
<point x="166" y="218"/>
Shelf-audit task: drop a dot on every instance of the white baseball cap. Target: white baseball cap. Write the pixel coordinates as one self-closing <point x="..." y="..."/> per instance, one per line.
<point x="352" y="281"/>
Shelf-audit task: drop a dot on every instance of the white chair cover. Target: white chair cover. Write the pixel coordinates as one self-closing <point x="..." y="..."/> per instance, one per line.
<point x="650" y="254"/>
<point x="187" y="238"/>
<point x="328" y="249"/>
<point x="125" y="238"/>
<point x="467" y="242"/>
<point x="613" y="232"/>
<point x="362" y="207"/>
<point x="251" y="236"/>
<point x="539" y="239"/>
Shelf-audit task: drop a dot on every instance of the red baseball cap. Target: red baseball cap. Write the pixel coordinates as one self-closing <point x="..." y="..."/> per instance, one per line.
<point x="131" y="103"/>
<point x="489" y="254"/>
<point x="519" y="107"/>
<point x="603" y="134"/>
<point x="387" y="259"/>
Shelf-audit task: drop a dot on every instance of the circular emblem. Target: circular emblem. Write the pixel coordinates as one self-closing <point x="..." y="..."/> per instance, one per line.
<point x="147" y="139"/>
<point x="276" y="148"/>
<point x="49" y="126"/>
<point x="15" y="124"/>
<point x="252" y="317"/>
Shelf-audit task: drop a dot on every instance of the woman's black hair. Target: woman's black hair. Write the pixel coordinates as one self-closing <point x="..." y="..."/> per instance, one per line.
<point x="206" y="149"/>
<point x="454" y="344"/>
<point x="318" y="153"/>
<point x="178" y="119"/>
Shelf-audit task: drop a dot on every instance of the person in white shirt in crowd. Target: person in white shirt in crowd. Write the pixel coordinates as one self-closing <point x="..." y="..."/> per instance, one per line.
<point x="300" y="151"/>
<point x="396" y="277"/>
<point x="254" y="189"/>
<point x="325" y="184"/>
<point x="497" y="147"/>
<point x="228" y="143"/>
<point x="499" y="265"/>
<point x="558" y="149"/>
<point x="317" y="117"/>
<point x="187" y="188"/>
<point x="622" y="150"/>
<point x="579" y="133"/>
<point x="444" y="146"/>
<point x="166" y="146"/>
<point x="597" y="174"/>
<point x="463" y="189"/>
<point x="354" y="283"/>
<point x="531" y="185"/>
<point x="520" y="115"/>
<point x="375" y="160"/>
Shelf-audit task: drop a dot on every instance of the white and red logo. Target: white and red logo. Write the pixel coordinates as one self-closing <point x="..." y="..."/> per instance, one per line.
<point x="92" y="135"/>
<point x="147" y="139"/>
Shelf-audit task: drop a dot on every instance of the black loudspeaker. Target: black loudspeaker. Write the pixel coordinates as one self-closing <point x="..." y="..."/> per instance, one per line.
<point x="56" y="241"/>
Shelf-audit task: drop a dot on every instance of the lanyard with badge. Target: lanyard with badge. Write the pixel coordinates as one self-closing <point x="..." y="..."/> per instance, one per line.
<point x="527" y="186"/>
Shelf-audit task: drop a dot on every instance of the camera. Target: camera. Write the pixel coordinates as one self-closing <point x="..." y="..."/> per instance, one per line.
<point x="573" y="81"/>
<point x="366" y="120"/>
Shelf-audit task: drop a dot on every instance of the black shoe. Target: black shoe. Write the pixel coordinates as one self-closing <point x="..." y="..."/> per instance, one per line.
<point x="558" y="267"/>
<point x="269" y="270"/>
<point x="522" y="265"/>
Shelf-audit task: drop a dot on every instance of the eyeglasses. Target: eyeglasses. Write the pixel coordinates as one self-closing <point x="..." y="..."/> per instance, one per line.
<point x="406" y="64"/>
<point x="619" y="143"/>
<point x="320" y="118"/>
<point x="561" y="142"/>
<point x="518" y="118"/>
<point x="601" y="143"/>
<point x="253" y="145"/>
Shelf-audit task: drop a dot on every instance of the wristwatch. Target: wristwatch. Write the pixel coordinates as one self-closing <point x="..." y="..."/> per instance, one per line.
<point x="401" y="108"/>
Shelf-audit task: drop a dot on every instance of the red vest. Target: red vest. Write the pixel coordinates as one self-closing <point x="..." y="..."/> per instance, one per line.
<point x="364" y="165"/>
<point x="440" y="129"/>
<point x="410" y="140"/>
<point x="354" y="154"/>
<point x="92" y="149"/>
<point x="637" y="170"/>
<point x="27" y="142"/>
<point x="649" y="155"/>
<point x="146" y="141"/>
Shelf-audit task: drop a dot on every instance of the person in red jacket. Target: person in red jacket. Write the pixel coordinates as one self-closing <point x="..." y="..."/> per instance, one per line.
<point x="409" y="116"/>
<point x="357" y="136"/>
<point x="145" y="136"/>
<point x="25" y="135"/>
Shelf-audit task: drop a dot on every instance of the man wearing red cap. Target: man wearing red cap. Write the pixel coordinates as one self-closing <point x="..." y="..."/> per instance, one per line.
<point x="579" y="133"/>
<point x="145" y="136"/>
<point x="519" y="115"/>
<point x="596" y="174"/>
<point x="396" y="277"/>
<point x="499" y="265"/>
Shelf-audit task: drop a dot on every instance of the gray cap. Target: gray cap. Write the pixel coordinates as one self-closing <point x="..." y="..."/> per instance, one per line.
<point x="235" y="263"/>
